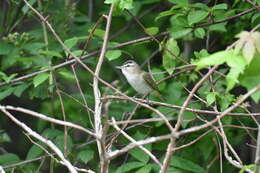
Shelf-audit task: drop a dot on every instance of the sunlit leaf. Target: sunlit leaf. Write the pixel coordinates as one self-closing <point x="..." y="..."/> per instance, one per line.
<point x="234" y="60"/>
<point x="222" y="6"/>
<point x="180" y="33"/>
<point x="113" y="54"/>
<point x="249" y="51"/>
<point x="152" y="30"/>
<point x="199" y="32"/>
<point x="196" y="16"/>
<point x="211" y="97"/>
<point x="40" y="78"/>
<point x="170" y="51"/>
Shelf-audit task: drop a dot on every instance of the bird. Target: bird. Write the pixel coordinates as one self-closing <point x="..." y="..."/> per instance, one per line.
<point x="139" y="79"/>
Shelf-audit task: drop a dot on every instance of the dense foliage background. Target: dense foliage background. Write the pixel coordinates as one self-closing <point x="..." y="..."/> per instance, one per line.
<point x="177" y="41"/>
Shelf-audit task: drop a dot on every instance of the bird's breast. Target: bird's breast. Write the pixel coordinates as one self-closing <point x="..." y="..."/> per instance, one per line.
<point x="137" y="82"/>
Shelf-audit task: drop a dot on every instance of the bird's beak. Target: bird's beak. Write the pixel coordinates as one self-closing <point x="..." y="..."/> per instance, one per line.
<point x="119" y="67"/>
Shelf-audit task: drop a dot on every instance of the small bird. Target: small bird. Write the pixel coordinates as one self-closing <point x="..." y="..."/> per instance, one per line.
<point x="139" y="79"/>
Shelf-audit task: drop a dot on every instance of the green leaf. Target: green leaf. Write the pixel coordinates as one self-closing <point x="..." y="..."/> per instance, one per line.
<point x="179" y="1"/>
<point x="214" y="59"/>
<point x="171" y="50"/>
<point x="59" y="142"/>
<point x="196" y="16"/>
<point x="201" y="53"/>
<point x="26" y="7"/>
<point x="211" y="97"/>
<point x="73" y="41"/>
<point x="86" y="155"/>
<point x="256" y="37"/>
<point x="121" y="4"/>
<point x="138" y="153"/>
<point x="180" y="32"/>
<point x="152" y="30"/>
<point x="174" y="170"/>
<point x="237" y="64"/>
<point x="129" y="166"/>
<point x="113" y="54"/>
<point x="255" y="19"/>
<point x="188" y="116"/>
<point x="166" y="13"/>
<point x="5" y="48"/>
<point x="206" y="146"/>
<point x="99" y="33"/>
<point x="226" y="100"/>
<point x="6" y="93"/>
<point x="145" y="169"/>
<point x="220" y="27"/>
<point x="251" y="77"/>
<point x="34" y="152"/>
<point x="4" y="137"/>
<point x="249" y="51"/>
<point x="8" y="158"/>
<point x="40" y="78"/>
<point x="51" y="133"/>
<point x="235" y="61"/>
<point x="20" y="89"/>
<point x="200" y="6"/>
<point x="50" y="53"/>
<point x="185" y="164"/>
<point x="222" y="6"/>
<point x="8" y="78"/>
<point x="250" y="167"/>
<point x="66" y="74"/>
<point x="126" y="4"/>
<point x="199" y="32"/>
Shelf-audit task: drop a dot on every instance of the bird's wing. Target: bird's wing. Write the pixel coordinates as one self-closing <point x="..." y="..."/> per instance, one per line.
<point x="148" y="79"/>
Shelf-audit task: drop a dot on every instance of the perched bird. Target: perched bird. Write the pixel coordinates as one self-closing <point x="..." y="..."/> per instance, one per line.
<point x="139" y="79"/>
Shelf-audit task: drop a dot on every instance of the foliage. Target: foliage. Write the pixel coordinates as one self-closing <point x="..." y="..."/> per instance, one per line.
<point x="183" y="34"/>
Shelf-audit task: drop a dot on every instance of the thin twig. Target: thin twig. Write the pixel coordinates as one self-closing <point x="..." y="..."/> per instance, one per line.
<point x="150" y="102"/>
<point x="135" y="142"/>
<point x="228" y="110"/>
<point x="229" y="18"/>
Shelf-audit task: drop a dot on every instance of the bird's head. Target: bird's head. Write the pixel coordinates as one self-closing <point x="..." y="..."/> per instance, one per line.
<point x="130" y="66"/>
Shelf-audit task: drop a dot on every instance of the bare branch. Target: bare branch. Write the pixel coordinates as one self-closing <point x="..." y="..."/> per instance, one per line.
<point x="228" y="110"/>
<point x="229" y="18"/>
<point x="150" y="102"/>
<point x="44" y="117"/>
<point x="42" y="139"/>
<point x="135" y="142"/>
<point x="104" y="162"/>
<point x="257" y="154"/>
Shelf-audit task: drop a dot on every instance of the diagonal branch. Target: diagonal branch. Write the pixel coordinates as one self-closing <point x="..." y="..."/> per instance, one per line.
<point x="42" y="139"/>
<point x="135" y="142"/>
<point x="44" y="117"/>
